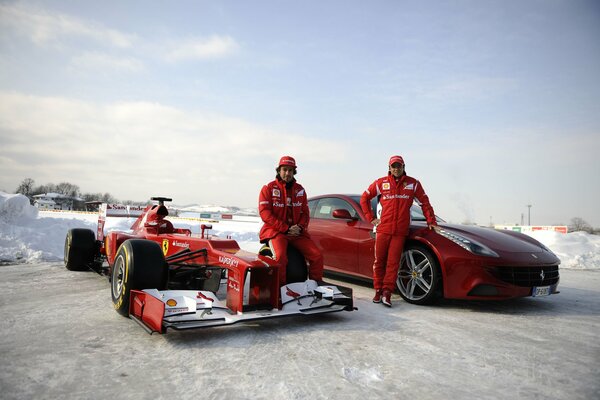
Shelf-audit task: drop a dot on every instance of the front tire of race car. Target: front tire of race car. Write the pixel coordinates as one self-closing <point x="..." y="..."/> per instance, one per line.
<point x="139" y="264"/>
<point x="80" y="248"/>
<point x="419" y="278"/>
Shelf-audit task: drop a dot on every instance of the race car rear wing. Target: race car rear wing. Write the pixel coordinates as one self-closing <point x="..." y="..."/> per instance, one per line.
<point x="116" y="210"/>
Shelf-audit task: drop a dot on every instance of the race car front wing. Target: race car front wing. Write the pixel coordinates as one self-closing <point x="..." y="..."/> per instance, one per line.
<point x="157" y="311"/>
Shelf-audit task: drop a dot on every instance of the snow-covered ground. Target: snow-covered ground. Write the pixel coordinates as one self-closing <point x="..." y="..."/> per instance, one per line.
<point x="61" y="338"/>
<point x="27" y="235"/>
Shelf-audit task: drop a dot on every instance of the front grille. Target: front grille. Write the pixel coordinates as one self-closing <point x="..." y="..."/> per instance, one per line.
<point x="529" y="276"/>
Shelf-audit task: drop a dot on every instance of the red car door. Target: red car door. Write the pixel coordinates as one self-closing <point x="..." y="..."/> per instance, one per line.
<point x="337" y="238"/>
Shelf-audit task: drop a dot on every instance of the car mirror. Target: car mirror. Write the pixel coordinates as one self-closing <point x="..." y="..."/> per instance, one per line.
<point x="342" y="214"/>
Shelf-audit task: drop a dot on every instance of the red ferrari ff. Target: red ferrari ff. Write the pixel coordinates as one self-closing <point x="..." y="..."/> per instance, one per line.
<point x="457" y="261"/>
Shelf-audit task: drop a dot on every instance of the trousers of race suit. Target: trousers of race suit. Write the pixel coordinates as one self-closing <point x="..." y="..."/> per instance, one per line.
<point x="308" y="249"/>
<point x="388" y="252"/>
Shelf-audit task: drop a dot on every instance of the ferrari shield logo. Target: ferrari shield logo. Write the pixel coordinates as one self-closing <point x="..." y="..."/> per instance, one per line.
<point x="165" y="246"/>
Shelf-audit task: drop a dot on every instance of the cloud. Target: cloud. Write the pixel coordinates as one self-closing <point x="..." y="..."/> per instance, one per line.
<point x="43" y="27"/>
<point x="201" y="48"/>
<point x="138" y="149"/>
<point x="96" y="62"/>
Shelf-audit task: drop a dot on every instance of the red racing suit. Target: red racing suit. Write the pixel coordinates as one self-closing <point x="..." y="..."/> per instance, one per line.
<point x="281" y="207"/>
<point x="396" y="198"/>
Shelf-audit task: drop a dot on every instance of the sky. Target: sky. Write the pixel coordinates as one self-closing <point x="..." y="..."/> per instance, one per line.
<point x="494" y="105"/>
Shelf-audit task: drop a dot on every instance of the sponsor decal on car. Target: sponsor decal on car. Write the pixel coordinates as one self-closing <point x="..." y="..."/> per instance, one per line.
<point x="229" y="261"/>
<point x="180" y="244"/>
<point x="171" y="302"/>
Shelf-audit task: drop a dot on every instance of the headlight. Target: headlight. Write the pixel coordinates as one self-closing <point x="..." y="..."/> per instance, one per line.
<point x="468" y="244"/>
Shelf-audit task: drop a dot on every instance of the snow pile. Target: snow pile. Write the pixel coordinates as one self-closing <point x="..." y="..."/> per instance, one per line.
<point x="577" y="250"/>
<point x="16" y="207"/>
<point x="29" y="236"/>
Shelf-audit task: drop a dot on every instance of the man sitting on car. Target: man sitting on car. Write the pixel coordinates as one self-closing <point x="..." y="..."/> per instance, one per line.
<point x="283" y="207"/>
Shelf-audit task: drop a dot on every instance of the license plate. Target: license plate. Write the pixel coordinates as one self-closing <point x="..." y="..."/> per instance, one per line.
<point x="541" y="291"/>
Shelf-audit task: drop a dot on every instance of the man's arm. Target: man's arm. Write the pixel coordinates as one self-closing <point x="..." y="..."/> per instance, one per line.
<point x="423" y="201"/>
<point x="265" y="209"/>
<point x="365" y="201"/>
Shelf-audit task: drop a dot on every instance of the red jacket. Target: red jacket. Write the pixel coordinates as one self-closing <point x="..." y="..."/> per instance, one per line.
<point x="396" y="199"/>
<point x="276" y="203"/>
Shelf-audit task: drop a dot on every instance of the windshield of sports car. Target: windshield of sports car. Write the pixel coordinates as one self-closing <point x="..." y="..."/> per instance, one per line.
<point x="416" y="214"/>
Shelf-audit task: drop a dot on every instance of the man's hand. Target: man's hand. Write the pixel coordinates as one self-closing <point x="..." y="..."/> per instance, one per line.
<point x="433" y="227"/>
<point x="294" y="230"/>
<point x="376" y="221"/>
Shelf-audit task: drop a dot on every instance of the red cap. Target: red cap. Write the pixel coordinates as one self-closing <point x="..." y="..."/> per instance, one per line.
<point x="396" y="159"/>
<point x="287" y="160"/>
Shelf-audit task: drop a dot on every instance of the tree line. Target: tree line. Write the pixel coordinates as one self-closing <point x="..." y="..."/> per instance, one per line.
<point x="28" y="188"/>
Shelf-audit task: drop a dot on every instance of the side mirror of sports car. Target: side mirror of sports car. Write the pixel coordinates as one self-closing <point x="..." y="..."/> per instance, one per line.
<point x="342" y="214"/>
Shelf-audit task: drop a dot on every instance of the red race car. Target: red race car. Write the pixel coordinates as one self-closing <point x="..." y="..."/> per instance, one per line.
<point x="165" y="277"/>
<point x="458" y="261"/>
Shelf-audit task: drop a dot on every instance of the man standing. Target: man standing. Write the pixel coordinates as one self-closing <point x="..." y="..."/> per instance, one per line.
<point x="283" y="207"/>
<point x="396" y="193"/>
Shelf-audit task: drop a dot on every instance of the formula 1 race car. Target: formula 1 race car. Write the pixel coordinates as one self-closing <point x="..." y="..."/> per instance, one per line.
<point x="164" y="277"/>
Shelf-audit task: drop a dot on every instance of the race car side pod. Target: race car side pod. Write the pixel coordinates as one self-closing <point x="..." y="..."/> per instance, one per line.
<point x="185" y="255"/>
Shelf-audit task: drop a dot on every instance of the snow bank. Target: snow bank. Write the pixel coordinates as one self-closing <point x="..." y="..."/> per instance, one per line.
<point x="29" y="236"/>
<point x="577" y="250"/>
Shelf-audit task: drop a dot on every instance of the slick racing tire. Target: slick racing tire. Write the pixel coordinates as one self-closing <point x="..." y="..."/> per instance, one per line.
<point x="296" y="270"/>
<point x="419" y="278"/>
<point x="80" y="249"/>
<point x="139" y="264"/>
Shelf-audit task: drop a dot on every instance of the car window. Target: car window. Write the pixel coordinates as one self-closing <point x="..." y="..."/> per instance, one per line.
<point x="325" y="207"/>
<point x="416" y="214"/>
<point x="311" y="207"/>
<point x="373" y="203"/>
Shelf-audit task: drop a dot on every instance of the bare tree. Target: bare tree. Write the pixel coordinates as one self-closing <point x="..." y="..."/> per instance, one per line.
<point x="68" y="189"/>
<point x="579" y="224"/>
<point x="26" y="187"/>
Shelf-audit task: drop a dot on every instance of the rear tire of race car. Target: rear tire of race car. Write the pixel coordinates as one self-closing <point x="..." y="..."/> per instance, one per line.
<point x="139" y="264"/>
<point x="419" y="278"/>
<point x="80" y="249"/>
<point x="296" y="270"/>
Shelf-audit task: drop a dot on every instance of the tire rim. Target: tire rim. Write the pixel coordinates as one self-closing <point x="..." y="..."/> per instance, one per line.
<point x="118" y="276"/>
<point x="415" y="276"/>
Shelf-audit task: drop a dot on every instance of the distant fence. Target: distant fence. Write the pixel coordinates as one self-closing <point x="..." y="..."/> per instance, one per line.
<point x="534" y="228"/>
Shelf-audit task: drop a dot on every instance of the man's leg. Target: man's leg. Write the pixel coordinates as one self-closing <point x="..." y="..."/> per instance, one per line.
<point x="382" y="243"/>
<point x="278" y="246"/>
<point x="312" y="254"/>
<point x="391" y="269"/>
